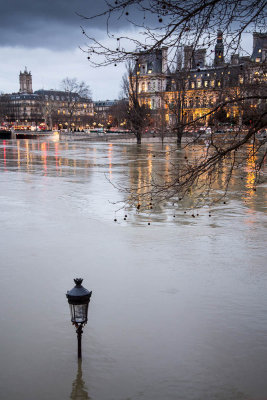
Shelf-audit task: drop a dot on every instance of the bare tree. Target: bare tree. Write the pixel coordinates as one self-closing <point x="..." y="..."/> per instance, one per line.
<point x="172" y="24"/>
<point x="138" y="114"/>
<point x="75" y="92"/>
<point x="175" y="101"/>
<point x="119" y="113"/>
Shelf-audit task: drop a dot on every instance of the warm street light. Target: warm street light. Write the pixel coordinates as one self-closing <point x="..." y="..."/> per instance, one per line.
<point x="78" y="299"/>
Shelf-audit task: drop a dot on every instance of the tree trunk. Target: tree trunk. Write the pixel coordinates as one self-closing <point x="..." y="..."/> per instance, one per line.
<point x="180" y="132"/>
<point x="138" y="137"/>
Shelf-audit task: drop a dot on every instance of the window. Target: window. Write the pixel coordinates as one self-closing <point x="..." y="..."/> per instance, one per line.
<point x="199" y="84"/>
<point x="219" y="83"/>
<point x="192" y="85"/>
<point x="212" y="83"/>
<point x="206" y="83"/>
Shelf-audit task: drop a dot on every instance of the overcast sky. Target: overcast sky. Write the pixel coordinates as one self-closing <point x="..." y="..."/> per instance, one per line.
<point x="45" y="36"/>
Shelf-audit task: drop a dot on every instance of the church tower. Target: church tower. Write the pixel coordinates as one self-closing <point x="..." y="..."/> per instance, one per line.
<point x="219" y="50"/>
<point x="25" y="81"/>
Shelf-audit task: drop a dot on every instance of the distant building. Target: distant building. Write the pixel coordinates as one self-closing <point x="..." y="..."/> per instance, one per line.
<point x="102" y="111"/>
<point x="52" y="107"/>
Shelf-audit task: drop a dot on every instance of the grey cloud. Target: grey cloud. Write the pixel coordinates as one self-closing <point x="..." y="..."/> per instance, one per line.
<point x="50" y="24"/>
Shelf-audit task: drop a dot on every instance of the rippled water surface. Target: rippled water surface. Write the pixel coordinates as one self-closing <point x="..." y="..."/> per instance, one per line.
<point x="179" y="307"/>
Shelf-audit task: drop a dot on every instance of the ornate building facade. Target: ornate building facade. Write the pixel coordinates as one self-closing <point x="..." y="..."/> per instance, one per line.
<point x="195" y="88"/>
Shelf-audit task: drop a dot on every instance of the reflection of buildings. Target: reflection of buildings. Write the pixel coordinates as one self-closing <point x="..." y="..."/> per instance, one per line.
<point x="52" y="107"/>
<point x="79" y="391"/>
<point x="195" y="88"/>
<point x="52" y="158"/>
<point x="148" y="170"/>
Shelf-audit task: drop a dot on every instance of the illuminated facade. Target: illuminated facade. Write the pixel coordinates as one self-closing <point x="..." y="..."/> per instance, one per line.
<point x="195" y="88"/>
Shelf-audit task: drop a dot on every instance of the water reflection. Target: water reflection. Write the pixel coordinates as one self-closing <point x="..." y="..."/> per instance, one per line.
<point x="79" y="390"/>
<point x="155" y="165"/>
<point x="137" y="169"/>
<point x="43" y="157"/>
<point x="207" y="277"/>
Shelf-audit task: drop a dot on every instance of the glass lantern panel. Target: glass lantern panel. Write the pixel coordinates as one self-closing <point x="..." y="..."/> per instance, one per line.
<point x="79" y="313"/>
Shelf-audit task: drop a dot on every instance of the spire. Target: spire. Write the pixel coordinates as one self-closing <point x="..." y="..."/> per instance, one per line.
<point x="219" y="50"/>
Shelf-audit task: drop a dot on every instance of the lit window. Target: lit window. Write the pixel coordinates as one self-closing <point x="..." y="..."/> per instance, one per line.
<point x="219" y="83"/>
<point x="259" y="50"/>
<point x="212" y="83"/>
<point x="258" y="60"/>
<point x="192" y="85"/>
<point x="206" y="83"/>
<point x="199" y="84"/>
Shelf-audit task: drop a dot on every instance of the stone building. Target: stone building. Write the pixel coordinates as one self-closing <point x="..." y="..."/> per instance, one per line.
<point x="53" y="108"/>
<point x="25" y="81"/>
<point x="195" y="87"/>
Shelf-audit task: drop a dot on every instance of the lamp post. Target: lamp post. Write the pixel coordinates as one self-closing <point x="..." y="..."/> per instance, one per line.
<point x="78" y="299"/>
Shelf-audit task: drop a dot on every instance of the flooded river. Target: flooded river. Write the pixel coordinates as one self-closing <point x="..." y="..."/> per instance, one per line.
<point x="179" y="307"/>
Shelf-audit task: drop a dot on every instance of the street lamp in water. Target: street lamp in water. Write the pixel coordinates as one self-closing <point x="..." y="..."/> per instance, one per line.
<point x="78" y="299"/>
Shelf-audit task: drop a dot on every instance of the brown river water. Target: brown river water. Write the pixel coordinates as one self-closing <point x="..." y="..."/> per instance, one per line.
<point x="179" y="307"/>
